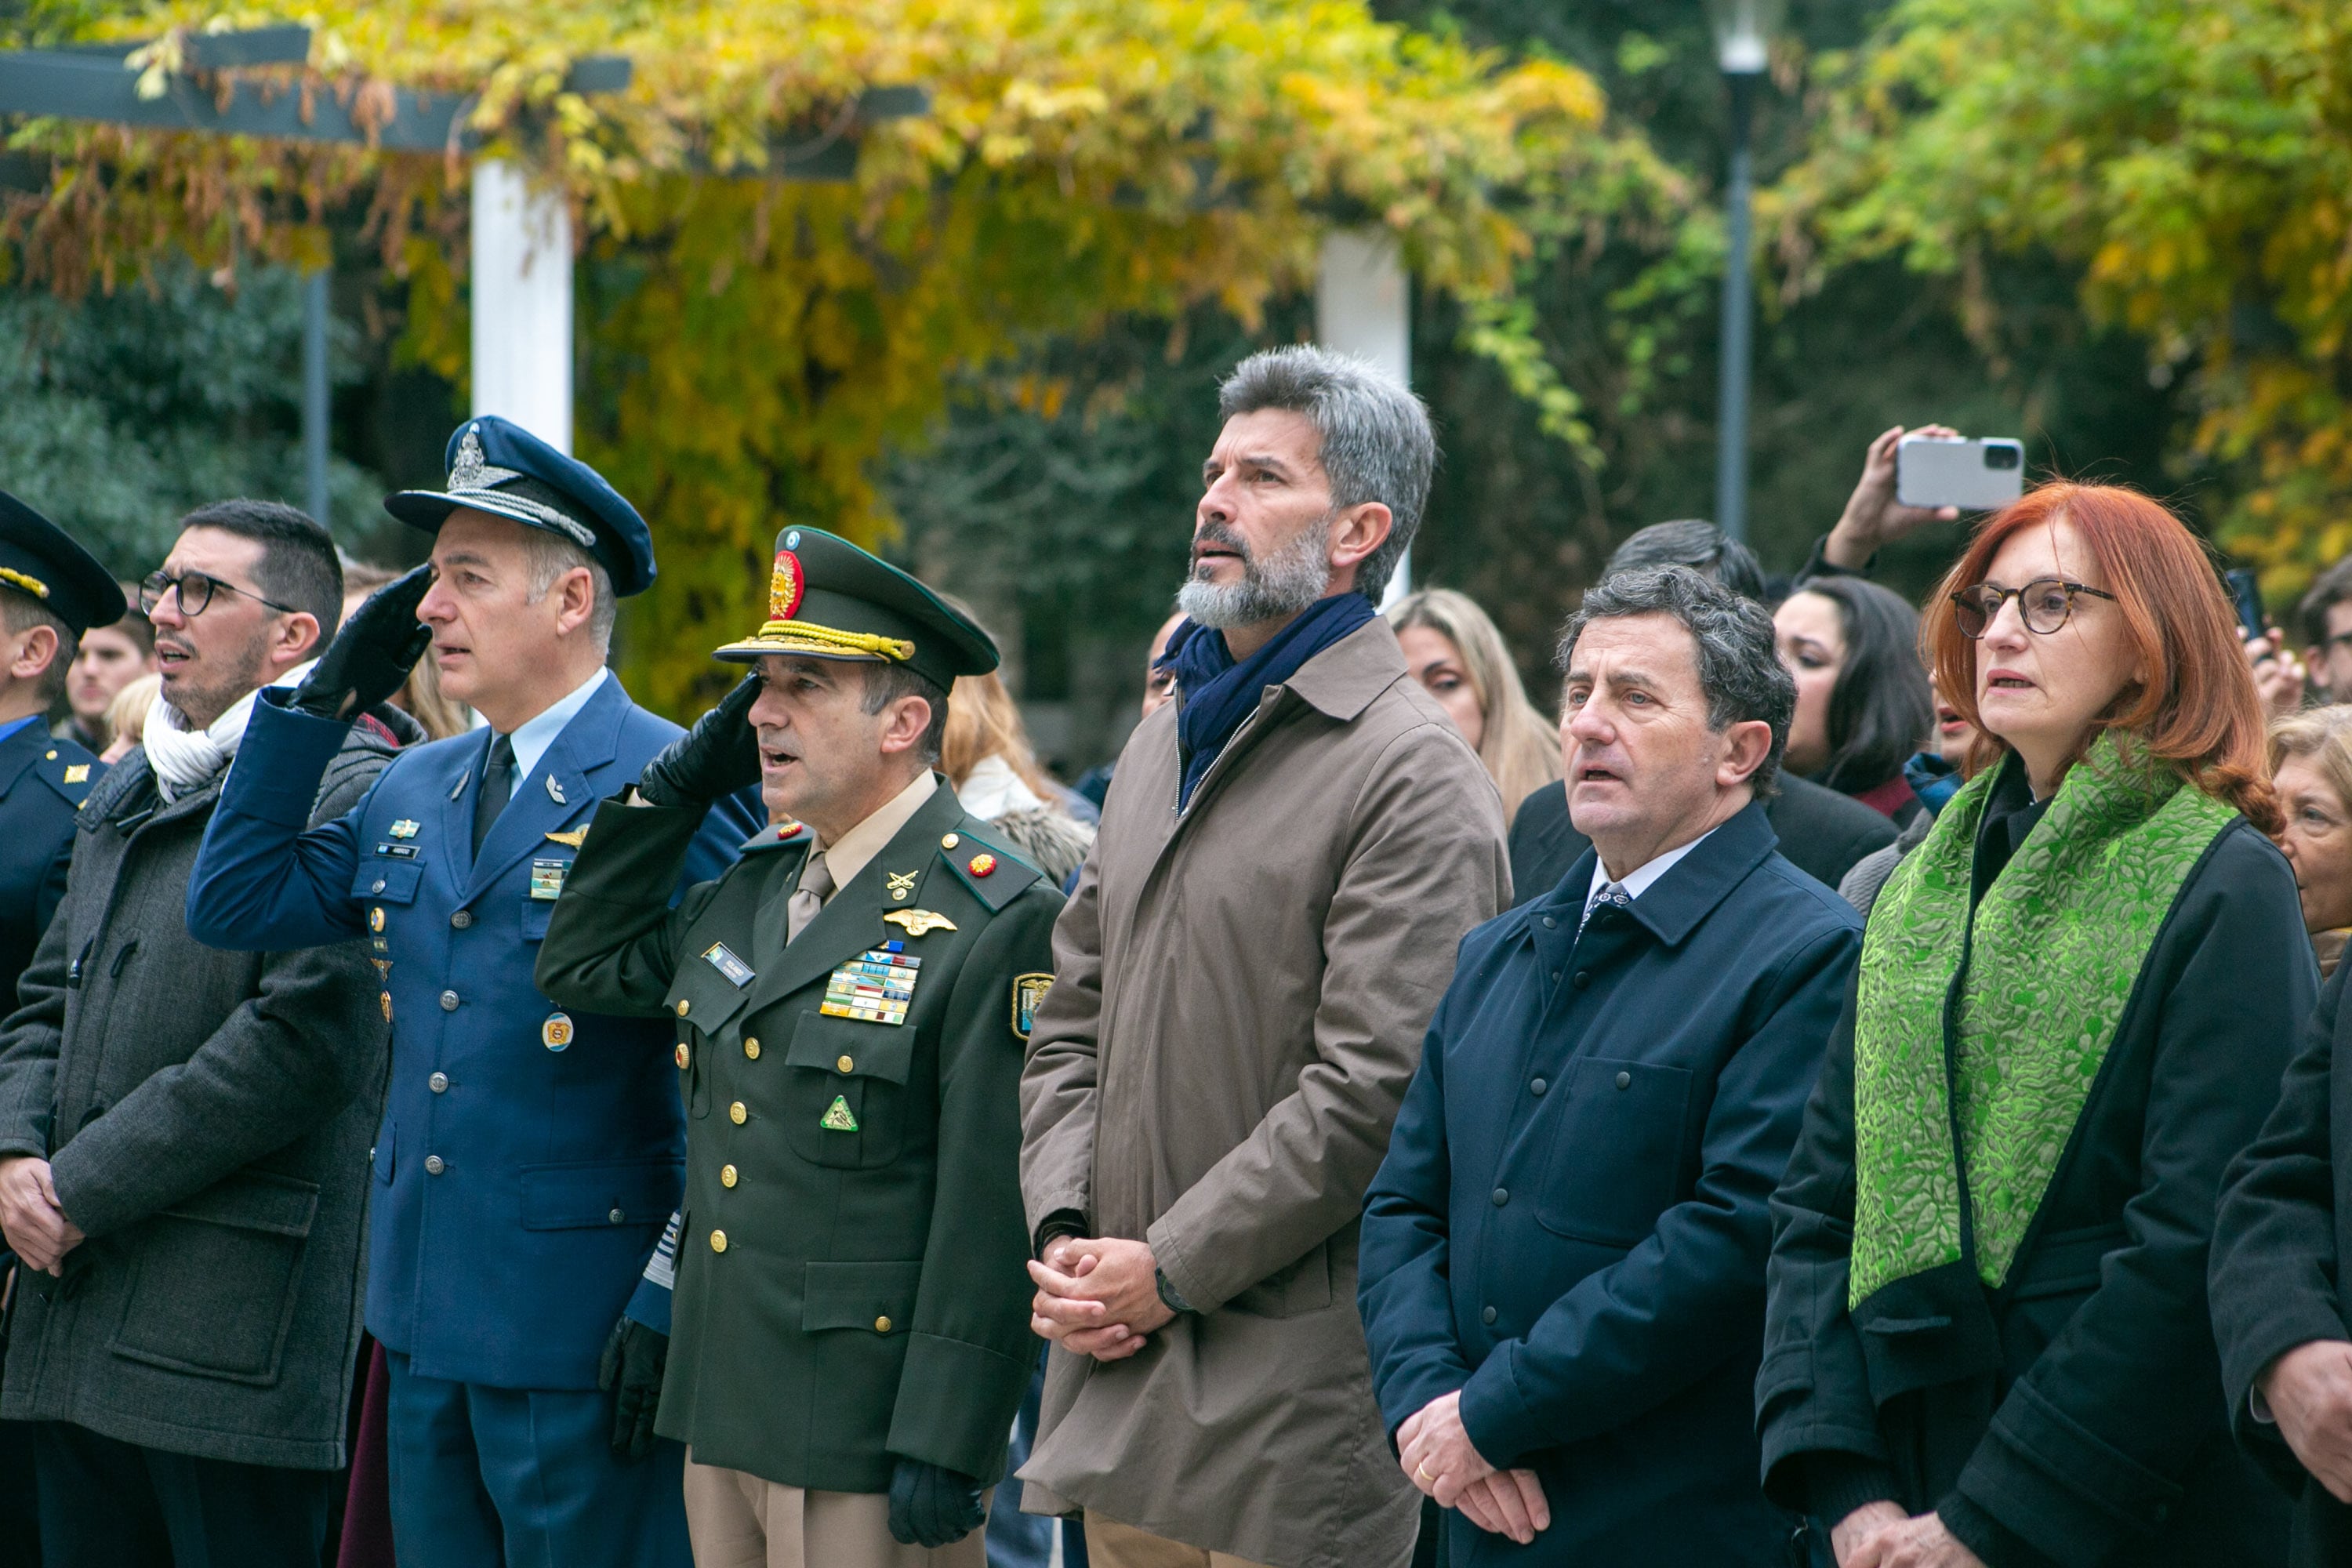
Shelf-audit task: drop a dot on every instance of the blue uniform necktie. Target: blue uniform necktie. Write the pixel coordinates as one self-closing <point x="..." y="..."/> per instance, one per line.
<point x="497" y="788"/>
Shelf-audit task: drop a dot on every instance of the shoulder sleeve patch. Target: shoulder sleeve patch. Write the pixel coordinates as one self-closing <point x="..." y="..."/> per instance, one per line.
<point x="1028" y="992"/>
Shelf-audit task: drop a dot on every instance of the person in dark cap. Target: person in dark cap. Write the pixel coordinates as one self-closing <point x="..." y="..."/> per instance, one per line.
<point x="528" y="1155"/>
<point x="52" y="591"/>
<point x="851" y="1001"/>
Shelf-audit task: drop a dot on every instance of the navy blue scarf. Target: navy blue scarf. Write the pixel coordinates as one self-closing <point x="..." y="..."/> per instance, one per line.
<point x="1932" y="779"/>
<point x="1218" y="693"/>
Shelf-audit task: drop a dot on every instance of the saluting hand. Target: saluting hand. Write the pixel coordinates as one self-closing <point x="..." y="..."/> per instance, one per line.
<point x="371" y="657"/>
<point x="719" y="756"/>
<point x="2309" y="1390"/>
<point x="31" y="1217"/>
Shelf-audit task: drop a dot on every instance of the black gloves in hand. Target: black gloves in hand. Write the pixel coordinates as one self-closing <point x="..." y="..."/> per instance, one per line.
<point x="372" y="656"/>
<point x="719" y="756"/>
<point x="930" y="1507"/>
<point x="632" y="1374"/>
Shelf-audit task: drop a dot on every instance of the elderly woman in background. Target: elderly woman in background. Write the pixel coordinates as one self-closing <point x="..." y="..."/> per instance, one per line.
<point x="986" y="754"/>
<point x="1863" y="703"/>
<point x="1986" y="1336"/>
<point x="2311" y="767"/>
<point x="1455" y="652"/>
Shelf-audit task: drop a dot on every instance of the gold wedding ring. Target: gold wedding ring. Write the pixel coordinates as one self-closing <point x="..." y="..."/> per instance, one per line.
<point x="1422" y="1471"/>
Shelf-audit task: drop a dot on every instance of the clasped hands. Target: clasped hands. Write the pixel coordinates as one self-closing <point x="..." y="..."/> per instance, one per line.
<point x="1434" y="1449"/>
<point x="31" y="1217"/>
<point x="1097" y="1296"/>
<point x="2309" y="1392"/>
<point x="1881" y="1535"/>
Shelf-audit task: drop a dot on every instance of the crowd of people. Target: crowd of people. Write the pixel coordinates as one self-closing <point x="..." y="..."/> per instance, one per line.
<point x="1858" y="1088"/>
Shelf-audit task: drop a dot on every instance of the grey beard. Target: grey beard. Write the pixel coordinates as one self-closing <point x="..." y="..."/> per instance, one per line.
<point x="1276" y="588"/>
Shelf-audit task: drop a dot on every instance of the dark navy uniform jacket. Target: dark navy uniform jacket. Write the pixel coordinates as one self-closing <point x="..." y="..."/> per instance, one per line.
<point x="1572" y="1226"/>
<point x="43" y="782"/>
<point x="529" y="1158"/>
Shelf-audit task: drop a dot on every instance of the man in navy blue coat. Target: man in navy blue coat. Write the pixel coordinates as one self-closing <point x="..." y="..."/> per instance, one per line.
<point x="528" y="1157"/>
<point x="1563" y="1253"/>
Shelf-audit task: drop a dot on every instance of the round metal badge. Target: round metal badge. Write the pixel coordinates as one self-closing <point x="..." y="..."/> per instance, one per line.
<point x="556" y="1033"/>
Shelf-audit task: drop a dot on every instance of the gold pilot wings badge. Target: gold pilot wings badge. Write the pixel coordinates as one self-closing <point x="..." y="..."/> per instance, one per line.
<point x="918" y="922"/>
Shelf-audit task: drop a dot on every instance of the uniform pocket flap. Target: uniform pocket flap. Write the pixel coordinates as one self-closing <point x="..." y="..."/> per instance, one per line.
<point x="853" y="1048"/>
<point x="600" y="1193"/>
<point x="387" y="881"/>
<point x="702" y="997"/>
<point x="878" y="1298"/>
<point x="253" y="1200"/>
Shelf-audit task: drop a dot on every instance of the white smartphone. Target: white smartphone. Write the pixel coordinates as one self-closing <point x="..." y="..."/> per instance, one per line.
<point x="1945" y="470"/>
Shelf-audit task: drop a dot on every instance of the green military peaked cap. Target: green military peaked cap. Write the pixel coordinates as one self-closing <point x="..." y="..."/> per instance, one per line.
<point x="829" y="599"/>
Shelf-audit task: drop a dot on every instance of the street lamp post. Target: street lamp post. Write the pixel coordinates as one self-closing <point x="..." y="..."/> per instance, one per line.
<point x="1740" y="29"/>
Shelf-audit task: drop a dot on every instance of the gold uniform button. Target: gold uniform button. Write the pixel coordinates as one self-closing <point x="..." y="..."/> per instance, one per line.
<point x="726" y="1175"/>
<point x="737" y="1114"/>
<point x="881" y="1325"/>
<point x="845" y="1064"/>
<point x="752" y="1048"/>
<point x="717" y="1241"/>
<point x="681" y="1006"/>
<point x="950" y="842"/>
<point x="684" y="1056"/>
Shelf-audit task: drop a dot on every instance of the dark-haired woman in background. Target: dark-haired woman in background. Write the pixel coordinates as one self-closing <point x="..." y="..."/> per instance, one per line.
<point x="1986" y="1330"/>
<point x="1863" y="703"/>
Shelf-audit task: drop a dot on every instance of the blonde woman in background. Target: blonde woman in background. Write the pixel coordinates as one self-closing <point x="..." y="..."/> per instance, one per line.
<point x="1455" y="652"/>
<point x="986" y="754"/>
<point x="2311" y="768"/>
<point x="126" y="717"/>
<point x="422" y="699"/>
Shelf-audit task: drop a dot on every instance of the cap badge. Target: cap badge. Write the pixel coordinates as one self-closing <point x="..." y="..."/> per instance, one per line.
<point x="473" y="470"/>
<point x="785" y="586"/>
<point x="918" y="922"/>
<point x="792" y="540"/>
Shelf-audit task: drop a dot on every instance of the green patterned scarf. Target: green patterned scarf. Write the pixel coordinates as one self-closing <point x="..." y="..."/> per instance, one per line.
<point x="2058" y="944"/>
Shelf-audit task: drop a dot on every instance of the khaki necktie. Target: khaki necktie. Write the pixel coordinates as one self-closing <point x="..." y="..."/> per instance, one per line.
<point x="816" y="883"/>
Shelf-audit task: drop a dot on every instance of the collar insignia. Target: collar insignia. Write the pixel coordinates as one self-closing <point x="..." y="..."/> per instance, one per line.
<point x="901" y="884"/>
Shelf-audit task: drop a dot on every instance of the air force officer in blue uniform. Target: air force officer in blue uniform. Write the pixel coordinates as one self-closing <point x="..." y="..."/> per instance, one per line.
<point x="528" y="1157"/>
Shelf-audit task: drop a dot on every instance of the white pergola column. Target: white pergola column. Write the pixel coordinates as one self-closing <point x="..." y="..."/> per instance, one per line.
<point x="522" y="303"/>
<point x="1363" y="306"/>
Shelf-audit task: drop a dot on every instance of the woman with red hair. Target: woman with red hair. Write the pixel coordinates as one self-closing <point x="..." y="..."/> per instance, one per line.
<point x="1987" y="1338"/>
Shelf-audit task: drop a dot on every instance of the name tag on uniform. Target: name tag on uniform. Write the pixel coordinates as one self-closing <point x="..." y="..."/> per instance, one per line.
<point x="547" y="878"/>
<point x="738" y="972"/>
<point x="876" y="987"/>
<point x="397" y="851"/>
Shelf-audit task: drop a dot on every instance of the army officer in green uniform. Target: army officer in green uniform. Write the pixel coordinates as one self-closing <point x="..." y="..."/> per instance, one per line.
<point x="850" y="1333"/>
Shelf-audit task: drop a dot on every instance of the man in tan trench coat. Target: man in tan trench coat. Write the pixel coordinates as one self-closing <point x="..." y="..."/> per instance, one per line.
<point x="1288" y="856"/>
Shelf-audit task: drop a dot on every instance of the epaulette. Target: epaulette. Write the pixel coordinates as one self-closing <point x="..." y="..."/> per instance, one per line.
<point x="996" y="875"/>
<point x="777" y="836"/>
<point x="71" y="772"/>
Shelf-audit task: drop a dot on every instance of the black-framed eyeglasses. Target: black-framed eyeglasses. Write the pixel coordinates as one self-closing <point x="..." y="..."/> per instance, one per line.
<point x="196" y="590"/>
<point x="2044" y="605"/>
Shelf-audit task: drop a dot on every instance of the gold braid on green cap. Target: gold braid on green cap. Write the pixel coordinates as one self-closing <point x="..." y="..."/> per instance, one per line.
<point x="809" y="636"/>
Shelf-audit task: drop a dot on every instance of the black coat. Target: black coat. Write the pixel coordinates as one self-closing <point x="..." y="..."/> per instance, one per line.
<point x="206" y="1117"/>
<point x="2276" y="1281"/>
<point x="2102" y="1438"/>
<point x="1821" y="832"/>
<point x="1571" y="1222"/>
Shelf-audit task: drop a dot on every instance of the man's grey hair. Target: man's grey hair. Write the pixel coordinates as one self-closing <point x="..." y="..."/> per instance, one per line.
<point x="550" y="556"/>
<point x="1375" y="440"/>
<point x="1739" y="668"/>
<point x="885" y="683"/>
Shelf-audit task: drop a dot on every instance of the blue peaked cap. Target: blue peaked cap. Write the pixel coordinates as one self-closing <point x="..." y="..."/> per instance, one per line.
<point x="497" y="467"/>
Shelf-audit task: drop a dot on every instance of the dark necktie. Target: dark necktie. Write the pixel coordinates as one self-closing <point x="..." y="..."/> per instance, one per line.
<point x="497" y="788"/>
<point x="1610" y="893"/>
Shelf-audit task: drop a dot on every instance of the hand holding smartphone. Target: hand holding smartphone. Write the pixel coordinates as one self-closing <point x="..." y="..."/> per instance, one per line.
<point x="1974" y="475"/>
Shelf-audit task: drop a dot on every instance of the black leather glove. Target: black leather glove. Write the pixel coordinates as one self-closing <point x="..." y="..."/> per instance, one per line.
<point x="370" y="659"/>
<point x="931" y="1507"/>
<point x="632" y="1374"/>
<point x="719" y="756"/>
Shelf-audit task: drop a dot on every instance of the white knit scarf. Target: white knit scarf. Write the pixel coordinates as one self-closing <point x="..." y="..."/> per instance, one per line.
<point x="184" y="760"/>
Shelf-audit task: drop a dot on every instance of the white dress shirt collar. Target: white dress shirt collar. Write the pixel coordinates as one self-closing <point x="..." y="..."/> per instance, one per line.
<point x="1638" y="880"/>
<point x="534" y="735"/>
